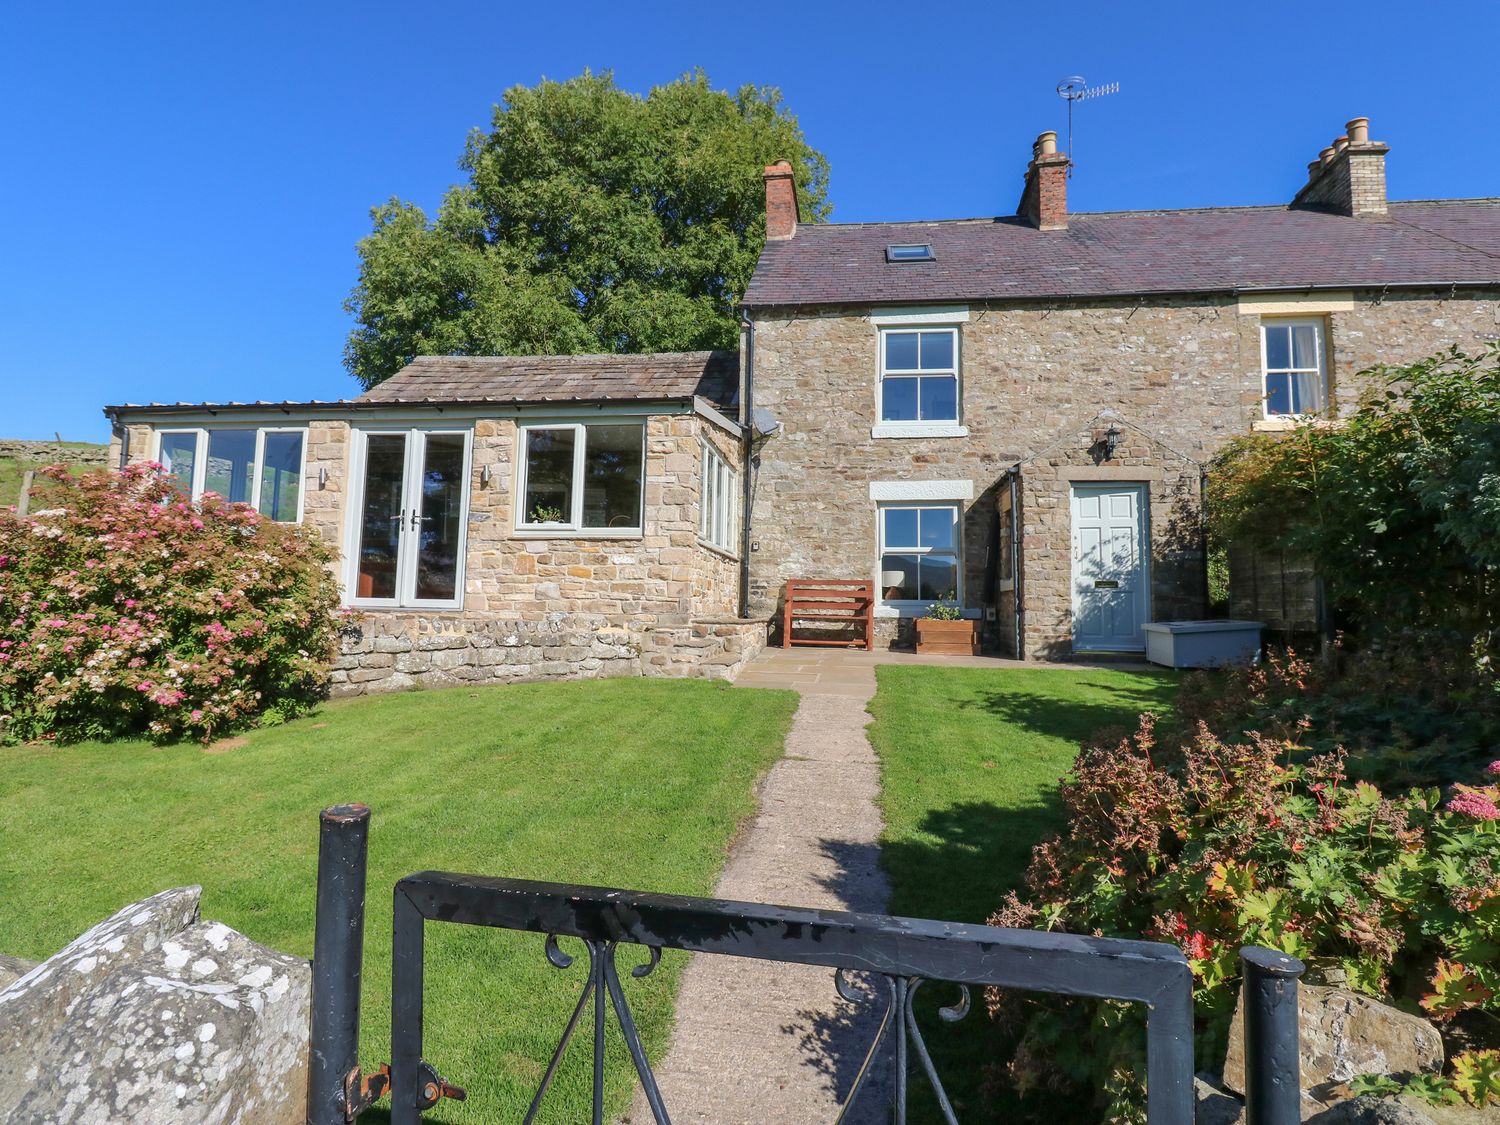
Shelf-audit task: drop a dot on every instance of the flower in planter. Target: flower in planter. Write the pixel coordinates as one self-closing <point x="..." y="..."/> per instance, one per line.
<point x="945" y="610"/>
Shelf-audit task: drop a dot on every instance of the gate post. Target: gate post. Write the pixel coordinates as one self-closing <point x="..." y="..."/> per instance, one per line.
<point x="1273" y="1074"/>
<point x="338" y="953"/>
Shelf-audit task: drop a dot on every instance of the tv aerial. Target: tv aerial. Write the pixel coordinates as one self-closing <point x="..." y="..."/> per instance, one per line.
<point x="1075" y="89"/>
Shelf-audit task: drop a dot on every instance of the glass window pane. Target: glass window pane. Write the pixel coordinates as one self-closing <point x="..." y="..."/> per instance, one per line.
<point x="281" y="477"/>
<point x="937" y="351"/>
<point x="1307" y="392"/>
<point x="612" y="476"/>
<point x="1278" y="394"/>
<point x="231" y="460"/>
<point x="1278" y="347"/>
<point x="939" y="528"/>
<point x="939" y="399"/>
<point x="178" y="453"/>
<point x="549" y="477"/>
<point x="901" y="351"/>
<point x="900" y="527"/>
<point x="898" y="400"/>
<point x="441" y="516"/>
<point x="380" y="521"/>
<point x="898" y="577"/>
<point x="939" y="578"/>
<point x="1304" y="345"/>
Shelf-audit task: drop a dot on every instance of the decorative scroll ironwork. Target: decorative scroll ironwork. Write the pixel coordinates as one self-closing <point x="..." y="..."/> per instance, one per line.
<point x="898" y="956"/>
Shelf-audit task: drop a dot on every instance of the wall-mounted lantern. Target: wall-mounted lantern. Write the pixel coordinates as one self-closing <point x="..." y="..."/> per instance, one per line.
<point x="485" y="474"/>
<point x="1111" y="440"/>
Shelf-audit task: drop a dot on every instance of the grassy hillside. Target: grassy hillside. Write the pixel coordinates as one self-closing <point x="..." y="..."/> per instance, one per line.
<point x="12" y="467"/>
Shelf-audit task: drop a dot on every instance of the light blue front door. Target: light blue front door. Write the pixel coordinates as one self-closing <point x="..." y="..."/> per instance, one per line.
<point x="1111" y="547"/>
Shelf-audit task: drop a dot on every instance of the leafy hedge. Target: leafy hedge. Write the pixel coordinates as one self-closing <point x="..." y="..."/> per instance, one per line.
<point x="124" y="609"/>
<point x="1397" y="506"/>
<point x="1212" y="841"/>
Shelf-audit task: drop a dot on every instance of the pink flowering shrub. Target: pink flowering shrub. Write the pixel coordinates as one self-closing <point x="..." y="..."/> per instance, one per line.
<point x="124" y="608"/>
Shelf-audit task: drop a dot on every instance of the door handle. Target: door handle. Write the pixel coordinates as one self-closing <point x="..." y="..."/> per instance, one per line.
<point x="416" y="520"/>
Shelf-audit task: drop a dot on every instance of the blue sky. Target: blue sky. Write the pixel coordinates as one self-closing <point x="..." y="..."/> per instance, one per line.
<point x="183" y="184"/>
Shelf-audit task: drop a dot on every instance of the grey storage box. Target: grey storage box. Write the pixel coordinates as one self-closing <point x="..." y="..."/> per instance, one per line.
<point x="1202" y="644"/>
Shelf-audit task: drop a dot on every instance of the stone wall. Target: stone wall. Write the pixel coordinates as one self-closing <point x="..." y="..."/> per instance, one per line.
<point x="390" y="650"/>
<point x="1183" y="372"/>
<point x="710" y="648"/>
<point x="51" y="453"/>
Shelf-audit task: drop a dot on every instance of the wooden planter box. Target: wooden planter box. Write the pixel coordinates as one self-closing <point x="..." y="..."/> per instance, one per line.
<point x="947" y="638"/>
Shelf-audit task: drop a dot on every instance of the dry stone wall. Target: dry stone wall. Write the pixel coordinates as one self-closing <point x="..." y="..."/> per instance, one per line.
<point x="1183" y="374"/>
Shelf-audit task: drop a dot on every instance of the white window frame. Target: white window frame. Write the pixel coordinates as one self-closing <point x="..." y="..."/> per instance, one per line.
<point x="1320" y="329"/>
<point x="919" y="374"/>
<point x="573" y="527"/>
<point x="200" y="459"/>
<point x="914" y="607"/>
<point x="407" y="543"/>
<point x="718" y="500"/>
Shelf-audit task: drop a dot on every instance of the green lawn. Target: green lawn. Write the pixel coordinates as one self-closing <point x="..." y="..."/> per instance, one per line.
<point x="633" y="783"/>
<point x="969" y="763"/>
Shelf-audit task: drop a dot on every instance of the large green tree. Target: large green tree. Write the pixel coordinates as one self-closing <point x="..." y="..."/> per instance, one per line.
<point x="593" y="220"/>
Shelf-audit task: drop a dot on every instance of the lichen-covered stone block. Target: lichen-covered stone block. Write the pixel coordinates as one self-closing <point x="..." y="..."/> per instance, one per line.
<point x="157" y="1018"/>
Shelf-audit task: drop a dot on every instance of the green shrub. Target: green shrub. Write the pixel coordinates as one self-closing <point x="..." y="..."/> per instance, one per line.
<point x="124" y="608"/>
<point x="1397" y="507"/>
<point x="1212" y="843"/>
<point x="1410" y="709"/>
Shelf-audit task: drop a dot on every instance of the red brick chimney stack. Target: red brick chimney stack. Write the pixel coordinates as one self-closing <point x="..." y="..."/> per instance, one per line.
<point x="1045" y="201"/>
<point x="781" y="200"/>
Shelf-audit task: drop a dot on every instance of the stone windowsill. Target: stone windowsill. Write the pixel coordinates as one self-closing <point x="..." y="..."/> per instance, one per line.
<point x="918" y="430"/>
<point x="1285" y="423"/>
<point x="720" y="551"/>
<point x="567" y="533"/>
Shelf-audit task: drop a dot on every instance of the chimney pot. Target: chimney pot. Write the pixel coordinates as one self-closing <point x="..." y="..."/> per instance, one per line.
<point x="781" y="200"/>
<point x="1044" y="201"/>
<point x="1348" y="177"/>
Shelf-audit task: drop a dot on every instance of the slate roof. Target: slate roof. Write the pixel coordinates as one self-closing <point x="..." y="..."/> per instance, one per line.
<point x="481" y="380"/>
<point x="1133" y="253"/>
<point x="562" y="378"/>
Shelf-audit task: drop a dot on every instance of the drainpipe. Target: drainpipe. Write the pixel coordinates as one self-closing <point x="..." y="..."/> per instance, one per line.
<point x="747" y="423"/>
<point x="1015" y="557"/>
<point x="1203" y="535"/>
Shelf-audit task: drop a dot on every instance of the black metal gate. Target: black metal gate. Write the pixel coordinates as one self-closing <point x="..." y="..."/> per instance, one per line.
<point x="899" y="954"/>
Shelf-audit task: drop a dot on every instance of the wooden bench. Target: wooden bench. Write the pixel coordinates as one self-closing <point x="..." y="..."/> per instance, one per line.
<point x="829" y="601"/>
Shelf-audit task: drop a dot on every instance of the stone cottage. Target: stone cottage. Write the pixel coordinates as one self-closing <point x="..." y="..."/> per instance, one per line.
<point x="1012" y="415"/>
<point x="1015" y="414"/>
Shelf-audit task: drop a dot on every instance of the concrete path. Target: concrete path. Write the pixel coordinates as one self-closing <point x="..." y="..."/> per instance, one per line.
<point x="760" y="1041"/>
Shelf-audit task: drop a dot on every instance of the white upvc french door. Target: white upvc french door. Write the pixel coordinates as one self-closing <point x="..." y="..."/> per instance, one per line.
<point x="408" y="511"/>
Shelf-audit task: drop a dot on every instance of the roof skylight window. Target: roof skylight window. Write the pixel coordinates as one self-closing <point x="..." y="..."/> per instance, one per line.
<point x="909" y="252"/>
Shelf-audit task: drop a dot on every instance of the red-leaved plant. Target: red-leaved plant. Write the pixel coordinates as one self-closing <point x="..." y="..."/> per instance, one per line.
<point x="1213" y="843"/>
<point x="125" y="609"/>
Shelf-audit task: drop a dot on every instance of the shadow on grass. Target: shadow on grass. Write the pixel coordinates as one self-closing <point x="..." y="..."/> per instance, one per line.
<point x="966" y="857"/>
<point x="1074" y="719"/>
